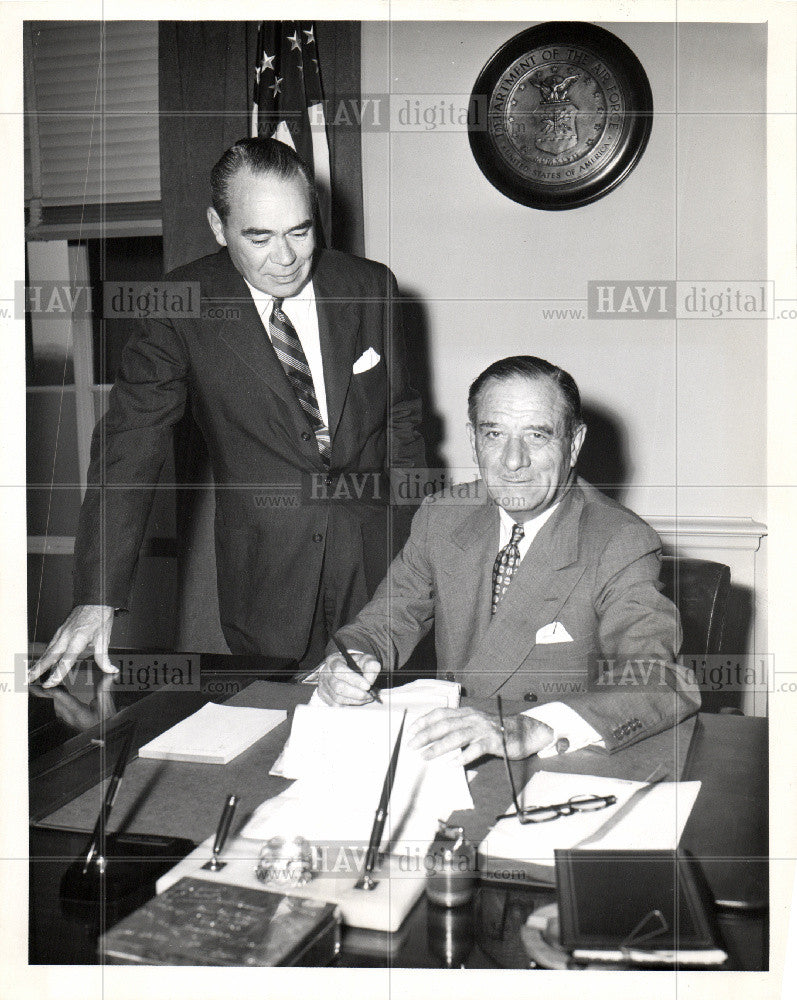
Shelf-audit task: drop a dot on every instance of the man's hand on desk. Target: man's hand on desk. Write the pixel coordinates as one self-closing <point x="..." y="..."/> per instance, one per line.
<point x="87" y="627"/>
<point x="338" y="685"/>
<point x="477" y="733"/>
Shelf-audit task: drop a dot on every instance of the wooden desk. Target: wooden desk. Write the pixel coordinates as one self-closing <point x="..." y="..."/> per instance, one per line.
<point x="727" y="830"/>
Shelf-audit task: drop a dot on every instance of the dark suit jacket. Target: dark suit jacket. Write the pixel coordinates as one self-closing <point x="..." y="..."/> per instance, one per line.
<point x="272" y="533"/>
<point x="593" y="568"/>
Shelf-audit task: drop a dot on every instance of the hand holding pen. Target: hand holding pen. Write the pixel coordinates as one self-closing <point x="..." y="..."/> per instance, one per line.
<point x="351" y="684"/>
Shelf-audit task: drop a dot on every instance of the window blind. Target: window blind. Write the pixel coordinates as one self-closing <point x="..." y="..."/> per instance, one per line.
<point x="94" y="91"/>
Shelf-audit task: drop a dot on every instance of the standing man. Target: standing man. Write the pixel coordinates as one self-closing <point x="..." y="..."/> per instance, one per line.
<point x="301" y="394"/>
<point x="541" y="590"/>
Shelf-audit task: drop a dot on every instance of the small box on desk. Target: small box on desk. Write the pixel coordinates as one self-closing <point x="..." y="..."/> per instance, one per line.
<point x="201" y="923"/>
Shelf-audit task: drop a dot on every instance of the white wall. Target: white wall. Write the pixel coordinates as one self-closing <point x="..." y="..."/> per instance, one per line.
<point x="685" y="400"/>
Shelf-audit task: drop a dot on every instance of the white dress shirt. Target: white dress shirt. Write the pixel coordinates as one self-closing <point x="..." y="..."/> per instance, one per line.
<point x="565" y="722"/>
<point x="301" y="311"/>
<point x="530" y="529"/>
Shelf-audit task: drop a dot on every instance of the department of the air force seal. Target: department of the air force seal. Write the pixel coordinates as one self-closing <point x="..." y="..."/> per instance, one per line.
<point x="560" y="115"/>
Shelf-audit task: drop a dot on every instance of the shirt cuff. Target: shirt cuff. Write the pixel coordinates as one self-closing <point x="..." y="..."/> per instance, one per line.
<point x="566" y="724"/>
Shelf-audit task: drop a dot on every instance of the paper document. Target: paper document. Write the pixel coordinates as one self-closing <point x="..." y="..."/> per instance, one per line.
<point x="339" y="757"/>
<point x="417" y="697"/>
<point x="655" y="822"/>
<point x="216" y="734"/>
<point x="422" y="695"/>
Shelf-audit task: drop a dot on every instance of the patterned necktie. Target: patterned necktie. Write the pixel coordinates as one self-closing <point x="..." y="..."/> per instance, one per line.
<point x="286" y="343"/>
<point x="507" y="561"/>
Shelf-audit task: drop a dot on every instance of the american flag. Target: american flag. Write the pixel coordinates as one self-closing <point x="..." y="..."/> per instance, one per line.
<point x="288" y="100"/>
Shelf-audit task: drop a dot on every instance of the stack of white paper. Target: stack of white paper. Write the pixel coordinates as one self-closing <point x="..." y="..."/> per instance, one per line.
<point x="417" y="697"/>
<point x="654" y="822"/>
<point x="216" y="734"/>
<point x="339" y="758"/>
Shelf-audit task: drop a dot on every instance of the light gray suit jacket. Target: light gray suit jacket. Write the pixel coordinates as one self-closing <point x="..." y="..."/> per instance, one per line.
<point x="593" y="568"/>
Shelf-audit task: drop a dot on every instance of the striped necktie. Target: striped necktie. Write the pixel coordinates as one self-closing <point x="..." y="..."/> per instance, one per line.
<point x="286" y="343"/>
<point x="507" y="561"/>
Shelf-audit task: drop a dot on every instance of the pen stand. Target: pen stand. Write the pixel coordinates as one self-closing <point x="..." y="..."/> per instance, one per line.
<point x="114" y="884"/>
<point x="119" y="879"/>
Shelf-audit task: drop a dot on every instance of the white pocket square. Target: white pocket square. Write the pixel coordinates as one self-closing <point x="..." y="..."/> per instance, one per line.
<point x="366" y="361"/>
<point x="553" y="632"/>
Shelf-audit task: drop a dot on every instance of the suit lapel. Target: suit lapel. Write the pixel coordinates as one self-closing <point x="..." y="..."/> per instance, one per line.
<point x="476" y="541"/>
<point x="247" y="339"/>
<point x="338" y="325"/>
<point x="541" y="586"/>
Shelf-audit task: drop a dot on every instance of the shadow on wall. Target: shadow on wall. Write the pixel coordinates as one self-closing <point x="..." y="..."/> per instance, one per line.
<point x="604" y="456"/>
<point x="603" y="460"/>
<point x="416" y="338"/>
<point x="422" y="661"/>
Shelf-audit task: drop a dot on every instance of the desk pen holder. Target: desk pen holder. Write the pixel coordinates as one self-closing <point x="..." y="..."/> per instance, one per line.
<point x="120" y="877"/>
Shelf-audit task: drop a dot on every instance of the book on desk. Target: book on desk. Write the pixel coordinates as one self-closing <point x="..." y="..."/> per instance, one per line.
<point x="199" y="923"/>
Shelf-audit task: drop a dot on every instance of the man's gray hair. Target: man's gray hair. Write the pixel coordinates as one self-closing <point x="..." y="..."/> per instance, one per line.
<point x="527" y="366"/>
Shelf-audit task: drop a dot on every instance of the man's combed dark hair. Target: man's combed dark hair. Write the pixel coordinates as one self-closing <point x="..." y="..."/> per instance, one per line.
<point x="261" y="156"/>
<point x="526" y="366"/>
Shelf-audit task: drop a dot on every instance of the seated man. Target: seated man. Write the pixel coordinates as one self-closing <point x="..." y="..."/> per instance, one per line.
<point x="540" y="589"/>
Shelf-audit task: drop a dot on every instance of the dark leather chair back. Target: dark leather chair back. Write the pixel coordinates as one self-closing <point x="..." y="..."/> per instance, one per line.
<point x="699" y="589"/>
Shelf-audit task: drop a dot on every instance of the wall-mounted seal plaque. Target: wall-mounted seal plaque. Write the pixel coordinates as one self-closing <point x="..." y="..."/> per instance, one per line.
<point x="560" y="115"/>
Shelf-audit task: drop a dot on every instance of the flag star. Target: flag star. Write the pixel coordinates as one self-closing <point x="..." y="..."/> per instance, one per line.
<point x="315" y="63"/>
<point x="294" y="40"/>
<point x="310" y="35"/>
<point x="275" y="86"/>
<point x="267" y="62"/>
